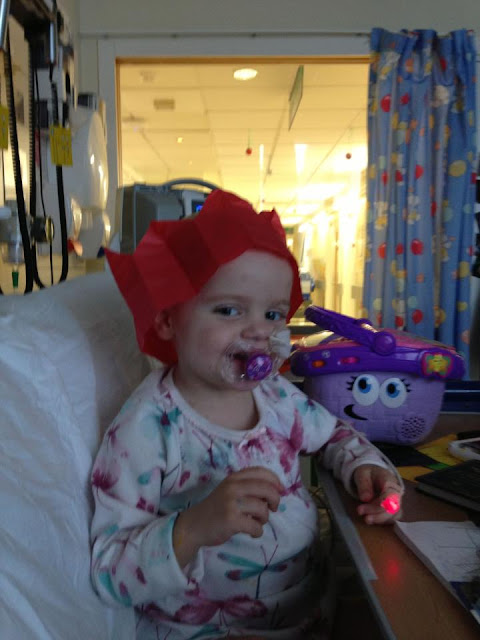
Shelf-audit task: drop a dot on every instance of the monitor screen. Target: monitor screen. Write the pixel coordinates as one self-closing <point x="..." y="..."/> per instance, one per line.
<point x="139" y="204"/>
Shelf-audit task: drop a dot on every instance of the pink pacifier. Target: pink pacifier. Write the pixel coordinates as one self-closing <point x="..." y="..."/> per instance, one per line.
<point x="245" y="362"/>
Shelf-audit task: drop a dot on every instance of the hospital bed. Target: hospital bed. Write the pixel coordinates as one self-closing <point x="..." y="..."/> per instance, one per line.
<point x="68" y="359"/>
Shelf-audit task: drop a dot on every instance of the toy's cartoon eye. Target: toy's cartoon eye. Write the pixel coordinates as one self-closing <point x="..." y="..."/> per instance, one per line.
<point x="365" y="389"/>
<point x="393" y="392"/>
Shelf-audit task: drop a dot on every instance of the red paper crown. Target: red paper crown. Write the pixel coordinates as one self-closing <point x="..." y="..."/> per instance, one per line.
<point x="175" y="259"/>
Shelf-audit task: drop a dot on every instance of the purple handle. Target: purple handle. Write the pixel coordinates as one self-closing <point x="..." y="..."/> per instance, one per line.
<point x="381" y="342"/>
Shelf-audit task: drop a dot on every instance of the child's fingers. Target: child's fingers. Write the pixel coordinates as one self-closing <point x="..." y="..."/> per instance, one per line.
<point x="364" y="483"/>
<point x="372" y="480"/>
<point x="259" y="473"/>
<point x="254" y="508"/>
<point x="375" y="514"/>
<point x="259" y="490"/>
<point x="251" y="527"/>
<point x="381" y="518"/>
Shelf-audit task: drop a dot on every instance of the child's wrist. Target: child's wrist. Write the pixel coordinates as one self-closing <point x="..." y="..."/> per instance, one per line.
<point x="184" y="540"/>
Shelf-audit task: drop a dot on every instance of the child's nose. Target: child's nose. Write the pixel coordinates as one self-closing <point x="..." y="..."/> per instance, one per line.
<point x="257" y="329"/>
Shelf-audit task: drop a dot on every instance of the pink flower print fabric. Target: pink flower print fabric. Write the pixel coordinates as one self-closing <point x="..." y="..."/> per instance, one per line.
<point x="159" y="457"/>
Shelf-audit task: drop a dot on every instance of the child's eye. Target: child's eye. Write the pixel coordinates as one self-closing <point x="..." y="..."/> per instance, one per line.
<point x="275" y="315"/>
<point x="226" y="310"/>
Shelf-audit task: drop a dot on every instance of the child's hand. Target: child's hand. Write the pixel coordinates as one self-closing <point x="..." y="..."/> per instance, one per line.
<point x="240" y="504"/>
<point x="374" y="484"/>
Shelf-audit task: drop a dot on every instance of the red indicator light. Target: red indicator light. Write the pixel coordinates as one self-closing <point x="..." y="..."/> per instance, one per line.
<point x="318" y="363"/>
<point x="391" y="503"/>
<point x="349" y="360"/>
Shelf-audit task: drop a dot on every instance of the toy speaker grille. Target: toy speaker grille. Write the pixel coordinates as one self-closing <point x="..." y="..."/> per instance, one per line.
<point x="412" y="428"/>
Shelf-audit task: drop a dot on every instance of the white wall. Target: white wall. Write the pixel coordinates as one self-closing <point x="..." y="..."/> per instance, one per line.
<point x="69" y="10"/>
<point x="155" y="16"/>
<point x="179" y="28"/>
<point x="98" y="19"/>
<point x="153" y="28"/>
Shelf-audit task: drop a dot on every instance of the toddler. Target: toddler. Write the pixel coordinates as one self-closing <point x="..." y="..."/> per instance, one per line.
<point x="201" y="519"/>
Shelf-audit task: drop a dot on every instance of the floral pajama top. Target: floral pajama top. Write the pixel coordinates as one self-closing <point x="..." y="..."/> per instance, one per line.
<point x="159" y="457"/>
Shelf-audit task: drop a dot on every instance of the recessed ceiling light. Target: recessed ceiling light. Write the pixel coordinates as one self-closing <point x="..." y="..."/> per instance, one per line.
<point x="244" y="74"/>
<point x="179" y="139"/>
<point x="164" y="104"/>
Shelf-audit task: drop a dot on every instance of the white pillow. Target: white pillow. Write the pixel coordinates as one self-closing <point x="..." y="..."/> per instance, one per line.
<point x="69" y="360"/>
<point x="85" y="329"/>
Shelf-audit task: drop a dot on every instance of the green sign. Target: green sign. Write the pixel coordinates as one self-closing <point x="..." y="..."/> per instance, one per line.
<point x="295" y="96"/>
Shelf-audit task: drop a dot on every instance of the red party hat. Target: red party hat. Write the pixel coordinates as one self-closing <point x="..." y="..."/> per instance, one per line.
<point x="176" y="258"/>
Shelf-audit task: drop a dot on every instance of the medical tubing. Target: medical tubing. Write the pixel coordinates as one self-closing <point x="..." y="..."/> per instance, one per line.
<point x="22" y="215"/>
<point x="40" y="170"/>
<point x="31" y="134"/>
<point x="40" y="166"/>
<point x="32" y="169"/>
<point x="61" y="195"/>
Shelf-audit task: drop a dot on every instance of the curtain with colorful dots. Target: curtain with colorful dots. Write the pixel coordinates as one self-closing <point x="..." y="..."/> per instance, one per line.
<point x="421" y="183"/>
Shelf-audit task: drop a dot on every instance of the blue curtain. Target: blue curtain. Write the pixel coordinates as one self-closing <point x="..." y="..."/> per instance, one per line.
<point x="421" y="183"/>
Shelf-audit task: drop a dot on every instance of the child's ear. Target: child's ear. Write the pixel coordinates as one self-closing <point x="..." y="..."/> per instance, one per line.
<point x="164" y="324"/>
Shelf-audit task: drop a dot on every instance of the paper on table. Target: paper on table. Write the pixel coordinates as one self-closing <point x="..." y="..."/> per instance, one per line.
<point x="451" y="550"/>
<point x="438" y="449"/>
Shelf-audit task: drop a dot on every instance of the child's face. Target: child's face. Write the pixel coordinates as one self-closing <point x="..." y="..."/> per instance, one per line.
<point x="247" y="299"/>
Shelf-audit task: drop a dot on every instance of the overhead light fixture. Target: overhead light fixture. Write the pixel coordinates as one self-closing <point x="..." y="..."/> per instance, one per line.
<point x="300" y="151"/>
<point x="179" y="139"/>
<point x="261" y="156"/>
<point x="244" y="74"/>
<point x="164" y="104"/>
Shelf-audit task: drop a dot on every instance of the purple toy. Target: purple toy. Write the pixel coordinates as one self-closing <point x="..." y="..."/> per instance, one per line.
<point x="387" y="384"/>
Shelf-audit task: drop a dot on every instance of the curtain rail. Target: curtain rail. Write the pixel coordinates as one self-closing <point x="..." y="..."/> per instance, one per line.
<point x="216" y="34"/>
<point x="184" y="35"/>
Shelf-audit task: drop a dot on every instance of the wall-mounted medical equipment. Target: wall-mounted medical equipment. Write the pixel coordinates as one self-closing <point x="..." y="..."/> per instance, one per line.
<point x="68" y="178"/>
<point x="85" y="184"/>
<point x="139" y="204"/>
<point x="43" y="27"/>
<point x="388" y="384"/>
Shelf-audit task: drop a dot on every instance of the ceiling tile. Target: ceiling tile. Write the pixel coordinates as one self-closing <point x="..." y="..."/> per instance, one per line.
<point x="218" y="117"/>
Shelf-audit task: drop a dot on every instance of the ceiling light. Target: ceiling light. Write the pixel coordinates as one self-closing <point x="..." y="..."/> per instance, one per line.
<point x="318" y="192"/>
<point x="300" y="151"/>
<point x="244" y="74"/>
<point x="179" y="139"/>
<point x="261" y="156"/>
<point x="164" y="104"/>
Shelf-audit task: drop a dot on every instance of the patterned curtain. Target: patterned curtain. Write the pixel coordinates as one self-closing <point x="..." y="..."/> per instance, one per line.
<point x="421" y="183"/>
